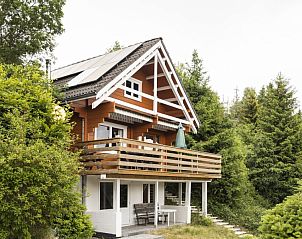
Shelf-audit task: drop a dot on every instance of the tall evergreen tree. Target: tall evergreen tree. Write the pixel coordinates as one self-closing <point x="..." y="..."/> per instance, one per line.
<point x="205" y="101"/>
<point x="275" y="165"/>
<point x="248" y="107"/>
<point x="233" y="194"/>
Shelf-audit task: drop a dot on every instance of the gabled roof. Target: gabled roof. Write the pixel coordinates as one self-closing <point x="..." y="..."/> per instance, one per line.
<point x="85" y="78"/>
<point x="100" y="76"/>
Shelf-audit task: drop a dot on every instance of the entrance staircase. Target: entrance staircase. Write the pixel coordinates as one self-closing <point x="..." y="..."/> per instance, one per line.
<point x="219" y="222"/>
<point x="237" y="230"/>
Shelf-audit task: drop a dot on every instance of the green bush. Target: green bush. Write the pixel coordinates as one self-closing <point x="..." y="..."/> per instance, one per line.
<point x="39" y="174"/>
<point x="201" y="220"/>
<point x="284" y="220"/>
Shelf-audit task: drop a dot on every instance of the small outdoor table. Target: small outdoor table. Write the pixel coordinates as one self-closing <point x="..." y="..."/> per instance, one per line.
<point x="167" y="212"/>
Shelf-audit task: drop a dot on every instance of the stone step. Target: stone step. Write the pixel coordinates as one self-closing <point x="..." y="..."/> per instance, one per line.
<point x="217" y="220"/>
<point x="240" y="232"/>
<point x="245" y="235"/>
<point x="144" y="236"/>
<point x="235" y="229"/>
<point x="222" y="223"/>
<point x="229" y="226"/>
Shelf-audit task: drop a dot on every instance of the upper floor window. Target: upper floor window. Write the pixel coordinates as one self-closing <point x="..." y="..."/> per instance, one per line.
<point x="133" y="85"/>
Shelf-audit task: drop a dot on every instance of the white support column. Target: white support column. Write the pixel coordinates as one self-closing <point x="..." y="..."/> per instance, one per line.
<point x="180" y="193"/>
<point x="156" y="205"/>
<point x="155" y="85"/>
<point x="84" y="188"/>
<point x="118" y="215"/>
<point x="204" y="198"/>
<point x="188" y="201"/>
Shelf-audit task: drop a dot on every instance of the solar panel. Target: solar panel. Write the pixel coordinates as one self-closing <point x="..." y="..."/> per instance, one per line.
<point x="93" y="68"/>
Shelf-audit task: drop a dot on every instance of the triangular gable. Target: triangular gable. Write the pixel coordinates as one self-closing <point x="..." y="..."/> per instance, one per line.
<point x="153" y="52"/>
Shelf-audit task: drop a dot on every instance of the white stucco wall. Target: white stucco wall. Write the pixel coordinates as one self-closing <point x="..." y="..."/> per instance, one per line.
<point x="105" y="220"/>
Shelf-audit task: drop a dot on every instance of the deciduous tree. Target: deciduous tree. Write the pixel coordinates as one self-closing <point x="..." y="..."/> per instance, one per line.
<point x="38" y="173"/>
<point x="28" y="27"/>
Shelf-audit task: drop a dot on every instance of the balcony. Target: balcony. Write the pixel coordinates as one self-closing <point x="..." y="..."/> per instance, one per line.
<point x="120" y="157"/>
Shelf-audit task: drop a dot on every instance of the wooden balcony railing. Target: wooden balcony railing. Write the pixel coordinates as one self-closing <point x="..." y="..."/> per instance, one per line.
<point x="137" y="158"/>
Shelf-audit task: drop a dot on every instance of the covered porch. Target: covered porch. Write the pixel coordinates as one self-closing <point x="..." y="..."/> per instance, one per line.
<point x="120" y="173"/>
<point x="112" y="207"/>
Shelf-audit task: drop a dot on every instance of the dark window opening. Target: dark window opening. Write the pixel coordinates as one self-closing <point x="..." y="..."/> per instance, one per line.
<point x="124" y="195"/>
<point x="106" y="195"/>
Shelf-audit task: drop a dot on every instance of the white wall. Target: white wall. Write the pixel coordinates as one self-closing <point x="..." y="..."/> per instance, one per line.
<point x="136" y="196"/>
<point x="181" y="213"/>
<point x="105" y="220"/>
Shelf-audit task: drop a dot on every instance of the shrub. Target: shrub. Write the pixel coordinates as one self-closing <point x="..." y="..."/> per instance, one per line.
<point x="38" y="173"/>
<point x="284" y="220"/>
<point x="201" y="220"/>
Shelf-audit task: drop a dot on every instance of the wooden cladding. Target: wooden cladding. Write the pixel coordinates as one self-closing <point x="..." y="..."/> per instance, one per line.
<point x="121" y="156"/>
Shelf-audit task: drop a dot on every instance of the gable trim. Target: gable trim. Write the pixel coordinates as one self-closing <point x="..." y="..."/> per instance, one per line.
<point x="167" y="58"/>
<point x="127" y="73"/>
<point x="117" y="82"/>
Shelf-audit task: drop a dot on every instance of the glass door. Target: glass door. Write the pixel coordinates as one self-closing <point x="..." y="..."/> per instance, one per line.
<point x="124" y="204"/>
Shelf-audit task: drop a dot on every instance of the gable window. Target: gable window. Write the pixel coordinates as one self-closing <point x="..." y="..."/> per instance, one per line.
<point x="133" y="85"/>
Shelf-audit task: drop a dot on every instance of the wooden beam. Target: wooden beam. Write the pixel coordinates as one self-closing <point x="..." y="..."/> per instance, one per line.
<point x="170" y="99"/>
<point x="158" y="75"/>
<point x="155" y="85"/>
<point x="170" y="81"/>
<point x="123" y="76"/>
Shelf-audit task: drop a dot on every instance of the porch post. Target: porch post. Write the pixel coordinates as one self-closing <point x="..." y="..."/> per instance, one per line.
<point x="118" y="215"/>
<point x="188" y="201"/>
<point x="180" y="193"/>
<point x="156" y="205"/>
<point x="84" y="188"/>
<point x="204" y="198"/>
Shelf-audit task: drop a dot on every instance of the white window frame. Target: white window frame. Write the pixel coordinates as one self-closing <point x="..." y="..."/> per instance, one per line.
<point x="112" y="125"/>
<point x="132" y="91"/>
<point x="149" y="194"/>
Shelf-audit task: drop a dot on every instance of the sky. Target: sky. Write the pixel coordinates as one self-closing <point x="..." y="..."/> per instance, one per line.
<point x="243" y="43"/>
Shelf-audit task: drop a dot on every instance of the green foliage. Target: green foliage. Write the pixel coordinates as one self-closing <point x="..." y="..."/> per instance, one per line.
<point x="201" y="220"/>
<point x="28" y="28"/>
<point x="284" y="220"/>
<point x="116" y="46"/>
<point x="205" y="101"/>
<point x="245" y="111"/>
<point x="38" y="173"/>
<point x="275" y="165"/>
<point x="233" y="196"/>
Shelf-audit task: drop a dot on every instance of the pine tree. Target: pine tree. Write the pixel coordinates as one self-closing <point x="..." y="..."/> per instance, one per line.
<point x="248" y="107"/>
<point x="275" y="165"/>
<point x="205" y="101"/>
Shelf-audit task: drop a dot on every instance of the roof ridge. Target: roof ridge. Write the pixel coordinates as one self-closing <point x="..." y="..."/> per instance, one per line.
<point x="105" y="53"/>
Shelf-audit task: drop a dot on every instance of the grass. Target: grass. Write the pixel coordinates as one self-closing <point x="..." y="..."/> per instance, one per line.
<point x="195" y="232"/>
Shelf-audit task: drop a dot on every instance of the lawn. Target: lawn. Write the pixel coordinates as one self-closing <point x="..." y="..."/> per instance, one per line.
<point x="196" y="232"/>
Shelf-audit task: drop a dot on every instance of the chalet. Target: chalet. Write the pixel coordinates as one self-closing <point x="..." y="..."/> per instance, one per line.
<point x="127" y="106"/>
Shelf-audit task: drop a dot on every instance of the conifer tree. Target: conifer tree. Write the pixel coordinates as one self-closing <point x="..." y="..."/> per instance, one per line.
<point x="275" y="165"/>
<point x="205" y="101"/>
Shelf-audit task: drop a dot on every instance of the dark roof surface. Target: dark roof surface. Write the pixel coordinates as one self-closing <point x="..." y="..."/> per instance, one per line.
<point x="88" y="89"/>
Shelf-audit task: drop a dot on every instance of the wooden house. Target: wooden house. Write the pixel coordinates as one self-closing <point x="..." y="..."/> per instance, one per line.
<point x="127" y="107"/>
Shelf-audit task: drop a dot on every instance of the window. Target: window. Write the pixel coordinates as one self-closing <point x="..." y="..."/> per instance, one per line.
<point x="108" y="130"/>
<point x="124" y="195"/>
<point x="106" y="195"/>
<point x="148" y="193"/>
<point x="133" y="85"/>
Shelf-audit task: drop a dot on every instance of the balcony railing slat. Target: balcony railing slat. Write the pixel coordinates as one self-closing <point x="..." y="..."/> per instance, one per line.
<point x="127" y="155"/>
